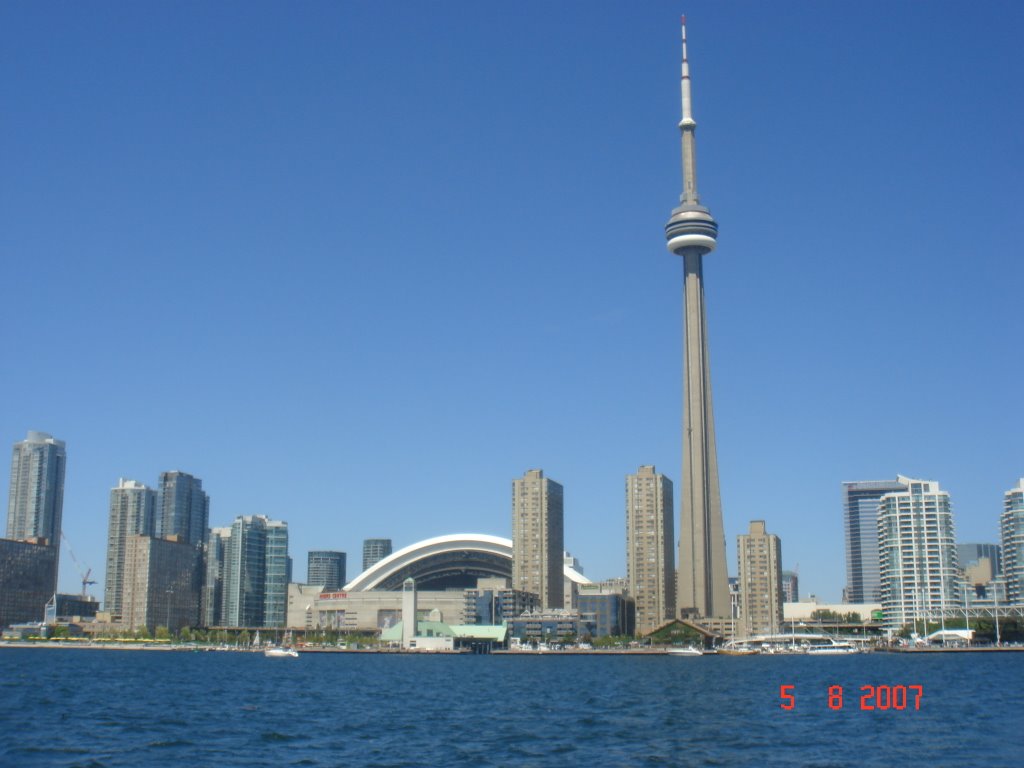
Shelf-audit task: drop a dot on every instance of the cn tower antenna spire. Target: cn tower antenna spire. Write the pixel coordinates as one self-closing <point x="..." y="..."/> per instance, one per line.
<point x="687" y="127"/>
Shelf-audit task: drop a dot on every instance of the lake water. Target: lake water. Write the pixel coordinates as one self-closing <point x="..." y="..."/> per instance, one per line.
<point x="123" y="708"/>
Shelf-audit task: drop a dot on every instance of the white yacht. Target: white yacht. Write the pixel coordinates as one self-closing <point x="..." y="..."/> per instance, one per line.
<point x="281" y="653"/>
<point x="687" y="651"/>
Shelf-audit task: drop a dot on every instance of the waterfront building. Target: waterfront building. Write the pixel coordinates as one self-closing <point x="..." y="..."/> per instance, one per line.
<point x="981" y="584"/>
<point x="1011" y="528"/>
<point x="860" y="526"/>
<point x="409" y="616"/>
<point x="760" y="580"/>
<point x="431" y="635"/>
<point x="245" y="572"/>
<point x="703" y="589"/>
<point x="992" y="594"/>
<point x="569" y="592"/>
<point x="980" y="567"/>
<point x="537" y="538"/>
<point x="376" y="610"/>
<point x="302" y="600"/>
<point x="492" y="602"/>
<point x="616" y="583"/>
<point x="650" y="565"/>
<point x="161" y="583"/>
<point x="278" y="574"/>
<point x="790" y="587"/>
<point x="917" y="554"/>
<point x="554" y="625"/>
<point x="132" y="513"/>
<point x="27" y="577"/>
<point x="255" y="572"/>
<point x="607" y="610"/>
<point x="184" y="508"/>
<point x="326" y="568"/>
<point x="70" y="608"/>
<point x="808" y="610"/>
<point x="36" y="499"/>
<point x="211" y="604"/>
<point x="375" y="550"/>
<point x="972" y="554"/>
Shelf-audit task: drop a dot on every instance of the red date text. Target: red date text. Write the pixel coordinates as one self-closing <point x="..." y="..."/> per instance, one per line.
<point x="873" y="697"/>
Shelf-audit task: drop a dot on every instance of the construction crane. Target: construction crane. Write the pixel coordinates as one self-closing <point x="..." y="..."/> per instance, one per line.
<point x="86" y="581"/>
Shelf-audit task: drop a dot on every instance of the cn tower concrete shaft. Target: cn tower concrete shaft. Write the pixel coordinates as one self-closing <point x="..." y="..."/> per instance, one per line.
<point x="703" y="587"/>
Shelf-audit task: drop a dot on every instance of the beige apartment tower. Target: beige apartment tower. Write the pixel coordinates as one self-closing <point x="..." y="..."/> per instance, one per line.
<point x="160" y="583"/>
<point x="537" y="537"/>
<point x="650" y="565"/>
<point x="132" y="513"/>
<point x="760" y="581"/>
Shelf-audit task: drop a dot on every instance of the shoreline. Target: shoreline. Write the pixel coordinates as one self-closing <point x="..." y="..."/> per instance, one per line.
<point x="645" y="652"/>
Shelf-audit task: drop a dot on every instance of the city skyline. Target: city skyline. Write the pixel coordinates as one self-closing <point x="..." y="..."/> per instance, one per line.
<point x="246" y="221"/>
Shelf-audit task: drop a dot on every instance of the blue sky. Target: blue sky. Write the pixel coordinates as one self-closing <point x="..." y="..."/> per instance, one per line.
<point x="359" y="265"/>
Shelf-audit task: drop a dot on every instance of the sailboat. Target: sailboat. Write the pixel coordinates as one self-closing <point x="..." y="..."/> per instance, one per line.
<point x="281" y="651"/>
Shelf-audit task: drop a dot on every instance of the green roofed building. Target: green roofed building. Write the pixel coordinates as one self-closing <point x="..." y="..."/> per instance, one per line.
<point x="431" y="635"/>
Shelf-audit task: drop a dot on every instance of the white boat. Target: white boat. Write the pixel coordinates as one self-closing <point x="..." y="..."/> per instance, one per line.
<point x="688" y="651"/>
<point x="837" y="647"/>
<point x="280" y="653"/>
<point x="737" y="650"/>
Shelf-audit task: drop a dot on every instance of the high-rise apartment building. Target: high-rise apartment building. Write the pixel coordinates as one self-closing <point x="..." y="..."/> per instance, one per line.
<point x="184" y="508"/>
<point x="607" y="610"/>
<point x="980" y="566"/>
<point x="790" y="587"/>
<point x="972" y="554"/>
<point x="278" y="574"/>
<point x="327" y="569"/>
<point x="36" y="499"/>
<point x="211" y="605"/>
<point x="245" y="572"/>
<point x="255" y="572"/>
<point x="650" y="566"/>
<point x="760" y="581"/>
<point x="538" y="537"/>
<point x="917" y="554"/>
<point x="26" y="580"/>
<point x="161" y="583"/>
<point x="375" y="550"/>
<point x="132" y="513"/>
<point x="1011" y="529"/>
<point x="34" y="507"/>
<point x="860" y="525"/>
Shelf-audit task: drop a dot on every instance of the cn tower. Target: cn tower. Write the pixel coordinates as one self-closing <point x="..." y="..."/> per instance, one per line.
<point x="703" y="582"/>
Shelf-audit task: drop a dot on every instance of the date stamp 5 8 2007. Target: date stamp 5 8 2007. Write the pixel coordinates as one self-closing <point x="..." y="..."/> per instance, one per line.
<point x="882" y="697"/>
